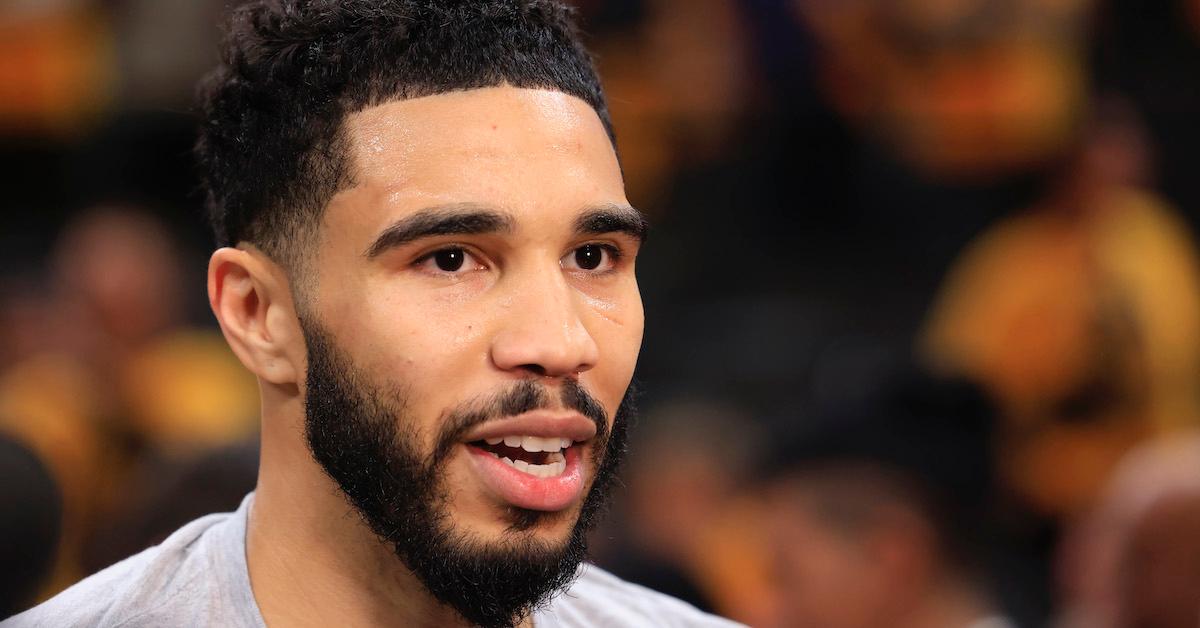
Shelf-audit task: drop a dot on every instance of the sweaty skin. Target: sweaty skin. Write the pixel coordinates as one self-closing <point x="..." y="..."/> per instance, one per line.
<point x="519" y="307"/>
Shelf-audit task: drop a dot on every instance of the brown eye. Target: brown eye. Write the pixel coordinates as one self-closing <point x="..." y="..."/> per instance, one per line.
<point x="449" y="260"/>
<point x="596" y="258"/>
<point x="589" y="256"/>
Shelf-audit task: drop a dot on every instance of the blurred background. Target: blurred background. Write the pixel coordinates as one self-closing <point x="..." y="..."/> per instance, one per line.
<point x="922" y="296"/>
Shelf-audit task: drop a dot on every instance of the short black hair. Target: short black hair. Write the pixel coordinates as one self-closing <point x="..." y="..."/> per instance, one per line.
<point x="272" y="149"/>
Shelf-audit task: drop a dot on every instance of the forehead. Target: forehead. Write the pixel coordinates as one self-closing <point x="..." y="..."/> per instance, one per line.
<point x="513" y="148"/>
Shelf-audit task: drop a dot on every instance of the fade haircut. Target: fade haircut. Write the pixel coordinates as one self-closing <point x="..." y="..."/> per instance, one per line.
<point x="273" y="149"/>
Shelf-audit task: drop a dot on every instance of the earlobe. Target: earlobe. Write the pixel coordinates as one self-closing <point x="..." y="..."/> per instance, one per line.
<point x="249" y="295"/>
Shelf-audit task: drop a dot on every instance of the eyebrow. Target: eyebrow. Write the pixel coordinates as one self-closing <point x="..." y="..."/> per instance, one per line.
<point x="613" y="218"/>
<point x="474" y="219"/>
<point x="453" y="219"/>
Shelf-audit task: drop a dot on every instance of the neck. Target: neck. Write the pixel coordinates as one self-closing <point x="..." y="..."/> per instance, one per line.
<point x="312" y="560"/>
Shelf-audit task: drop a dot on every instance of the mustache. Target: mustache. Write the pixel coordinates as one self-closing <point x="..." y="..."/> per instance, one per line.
<point x="523" y="396"/>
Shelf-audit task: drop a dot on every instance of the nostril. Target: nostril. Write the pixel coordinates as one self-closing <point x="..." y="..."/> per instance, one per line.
<point x="536" y="369"/>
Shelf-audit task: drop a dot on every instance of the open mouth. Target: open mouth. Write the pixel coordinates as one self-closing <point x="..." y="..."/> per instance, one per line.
<point x="543" y="457"/>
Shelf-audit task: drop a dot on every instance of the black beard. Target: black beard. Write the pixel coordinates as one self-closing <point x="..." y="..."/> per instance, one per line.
<point x="366" y="442"/>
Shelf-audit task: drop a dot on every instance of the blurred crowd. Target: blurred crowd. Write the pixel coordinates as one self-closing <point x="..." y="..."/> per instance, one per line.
<point x="922" y="298"/>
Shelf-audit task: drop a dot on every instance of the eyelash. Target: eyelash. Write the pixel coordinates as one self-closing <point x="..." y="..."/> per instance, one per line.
<point x="427" y="257"/>
<point x="613" y="250"/>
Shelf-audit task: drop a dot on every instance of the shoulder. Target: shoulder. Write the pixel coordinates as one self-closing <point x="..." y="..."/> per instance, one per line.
<point x="135" y="590"/>
<point x="599" y="598"/>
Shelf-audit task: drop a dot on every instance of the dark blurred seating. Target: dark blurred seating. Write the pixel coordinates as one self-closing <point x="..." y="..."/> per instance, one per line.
<point x="165" y="492"/>
<point x="30" y="522"/>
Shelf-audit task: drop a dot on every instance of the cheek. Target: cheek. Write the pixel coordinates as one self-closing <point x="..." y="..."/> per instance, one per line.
<point x="424" y="323"/>
<point x="616" y="313"/>
<point x="618" y="335"/>
<point x="424" y="343"/>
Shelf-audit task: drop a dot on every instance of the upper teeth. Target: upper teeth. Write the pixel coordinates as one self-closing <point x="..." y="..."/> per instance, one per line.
<point x="532" y="444"/>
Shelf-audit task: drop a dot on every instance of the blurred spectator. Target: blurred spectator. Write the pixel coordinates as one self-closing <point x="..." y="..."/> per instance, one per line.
<point x="119" y="282"/>
<point x="25" y="318"/>
<point x="687" y="107"/>
<point x="1082" y="316"/>
<point x="165" y="492"/>
<point x="118" y="275"/>
<point x="1134" y="561"/>
<point x="688" y="527"/>
<point x="879" y="512"/>
<point x="56" y="66"/>
<point x="30" y="519"/>
<point x="961" y="89"/>
<point x="120" y="376"/>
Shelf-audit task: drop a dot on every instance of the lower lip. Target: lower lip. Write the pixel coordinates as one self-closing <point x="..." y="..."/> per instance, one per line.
<point x="527" y="491"/>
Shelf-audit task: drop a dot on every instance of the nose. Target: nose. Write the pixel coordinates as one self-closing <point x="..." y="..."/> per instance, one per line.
<point x="542" y="331"/>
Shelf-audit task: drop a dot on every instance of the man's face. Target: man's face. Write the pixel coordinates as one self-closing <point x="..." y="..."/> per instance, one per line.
<point x="476" y="287"/>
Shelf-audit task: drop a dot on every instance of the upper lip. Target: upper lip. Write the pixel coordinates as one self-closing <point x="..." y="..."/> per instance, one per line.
<point x="541" y="423"/>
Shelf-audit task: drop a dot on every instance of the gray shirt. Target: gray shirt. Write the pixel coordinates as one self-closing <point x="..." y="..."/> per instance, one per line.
<point x="198" y="577"/>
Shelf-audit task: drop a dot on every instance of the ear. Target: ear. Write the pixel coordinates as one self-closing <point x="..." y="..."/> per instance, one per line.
<point x="251" y="298"/>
